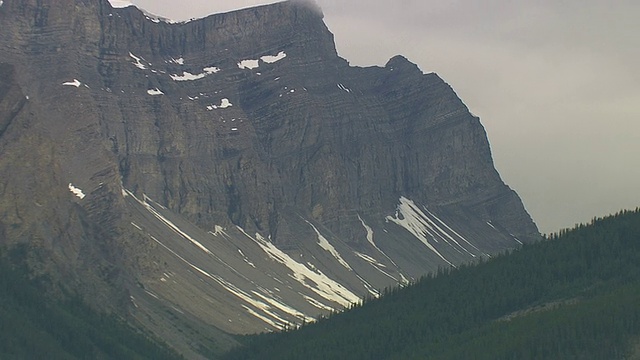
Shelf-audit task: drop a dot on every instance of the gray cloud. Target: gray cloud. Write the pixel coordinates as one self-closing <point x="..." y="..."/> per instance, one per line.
<point x="555" y="84"/>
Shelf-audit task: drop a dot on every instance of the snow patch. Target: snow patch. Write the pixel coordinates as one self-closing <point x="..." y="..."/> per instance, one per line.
<point x="120" y="3"/>
<point x="218" y="230"/>
<point x="156" y="19"/>
<point x="75" y="83"/>
<point x="211" y="70"/>
<point x="138" y="62"/>
<point x="249" y="64"/>
<point x="155" y="92"/>
<point x="224" y="103"/>
<point x="187" y="76"/>
<point x="76" y="191"/>
<point x="254" y="64"/>
<point x="270" y="59"/>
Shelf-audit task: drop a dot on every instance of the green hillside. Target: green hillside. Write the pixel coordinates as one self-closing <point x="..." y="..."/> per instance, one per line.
<point x="574" y="296"/>
<point x="34" y="327"/>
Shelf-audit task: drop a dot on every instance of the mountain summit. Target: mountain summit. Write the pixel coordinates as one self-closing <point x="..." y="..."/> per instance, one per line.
<point x="234" y="170"/>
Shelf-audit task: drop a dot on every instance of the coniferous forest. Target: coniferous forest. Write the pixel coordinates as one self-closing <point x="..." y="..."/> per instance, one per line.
<point x="575" y="295"/>
<point x="35" y="327"/>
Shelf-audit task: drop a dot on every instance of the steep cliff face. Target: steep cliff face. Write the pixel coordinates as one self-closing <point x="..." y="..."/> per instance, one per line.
<point x="234" y="163"/>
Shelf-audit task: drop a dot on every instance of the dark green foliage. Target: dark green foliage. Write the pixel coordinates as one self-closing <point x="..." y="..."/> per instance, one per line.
<point x="574" y="296"/>
<point x="33" y="327"/>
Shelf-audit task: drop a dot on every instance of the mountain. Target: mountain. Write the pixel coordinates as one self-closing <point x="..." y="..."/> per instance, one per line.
<point x="233" y="173"/>
<point x="574" y="296"/>
<point x="34" y="327"/>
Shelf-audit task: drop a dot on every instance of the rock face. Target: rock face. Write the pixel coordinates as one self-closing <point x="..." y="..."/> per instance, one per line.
<point x="232" y="170"/>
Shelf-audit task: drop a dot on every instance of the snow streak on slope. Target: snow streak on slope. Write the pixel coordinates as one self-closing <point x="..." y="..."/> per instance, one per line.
<point x="324" y="243"/>
<point x="245" y="258"/>
<point x="317" y="303"/>
<point x="155" y="92"/>
<point x="270" y="317"/>
<point x="165" y="221"/>
<point x="376" y="265"/>
<point x="283" y="307"/>
<point x="409" y="216"/>
<point x="369" y="259"/>
<point x="372" y="242"/>
<point x="138" y="62"/>
<point x="256" y="301"/>
<point x="75" y="83"/>
<point x="321" y="284"/>
<point x="454" y="232"/>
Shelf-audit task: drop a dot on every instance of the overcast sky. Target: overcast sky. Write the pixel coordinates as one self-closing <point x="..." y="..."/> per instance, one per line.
<point x="555" y="83"/>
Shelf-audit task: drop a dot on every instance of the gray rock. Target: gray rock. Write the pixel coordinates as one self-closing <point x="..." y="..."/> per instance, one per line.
<point x="209" y="169"/>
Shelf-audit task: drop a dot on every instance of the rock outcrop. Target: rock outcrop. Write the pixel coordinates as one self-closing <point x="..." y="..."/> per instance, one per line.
<point x="232" y="170"/>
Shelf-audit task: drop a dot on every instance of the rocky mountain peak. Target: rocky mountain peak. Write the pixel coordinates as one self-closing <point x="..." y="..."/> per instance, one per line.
<point x="401" y="63"/>
<point x="244" y="33"/>
<point x="233" y="162"/>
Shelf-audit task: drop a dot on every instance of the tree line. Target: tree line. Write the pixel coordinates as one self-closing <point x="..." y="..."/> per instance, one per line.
<point x="573" y="295"/>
